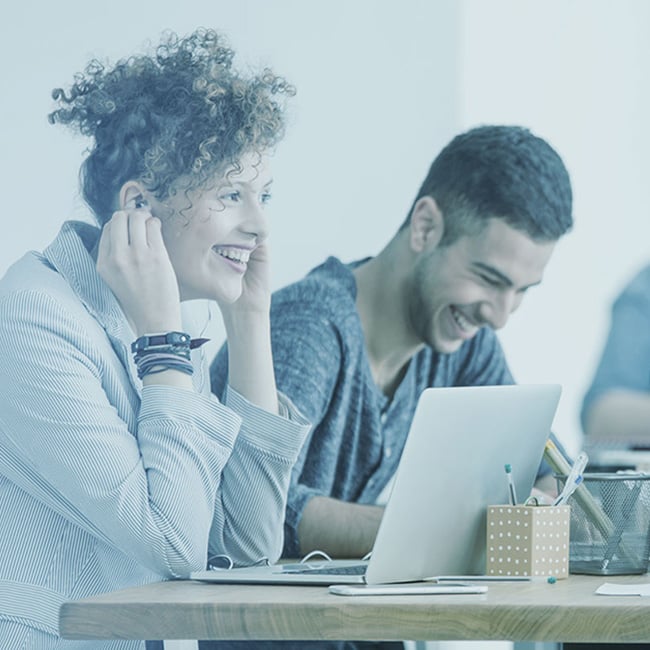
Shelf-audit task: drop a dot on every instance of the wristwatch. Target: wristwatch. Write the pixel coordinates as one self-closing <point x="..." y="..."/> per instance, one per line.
<point x="160" y="340"/>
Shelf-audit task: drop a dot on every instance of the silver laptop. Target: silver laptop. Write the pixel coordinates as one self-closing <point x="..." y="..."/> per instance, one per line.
<point x="451" y="469"/>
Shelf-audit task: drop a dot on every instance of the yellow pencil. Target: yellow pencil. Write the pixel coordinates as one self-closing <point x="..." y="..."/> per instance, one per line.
<point x="582" y="495"/>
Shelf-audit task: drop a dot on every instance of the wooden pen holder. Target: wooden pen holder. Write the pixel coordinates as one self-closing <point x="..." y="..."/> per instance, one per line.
<point x="528" y="541"/>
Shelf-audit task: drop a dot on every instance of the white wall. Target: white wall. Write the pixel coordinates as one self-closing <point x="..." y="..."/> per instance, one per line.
<point x="381" y="87"/>
<point x="576" y="72"/>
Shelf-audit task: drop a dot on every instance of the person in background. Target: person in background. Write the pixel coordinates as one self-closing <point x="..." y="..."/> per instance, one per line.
<point x="616" y="407"/>
<point x="118" y="467"/>
<point x="356" y="344"/>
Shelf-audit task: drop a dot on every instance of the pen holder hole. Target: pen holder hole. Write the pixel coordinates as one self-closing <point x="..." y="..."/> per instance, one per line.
<point x="610" y="524"/>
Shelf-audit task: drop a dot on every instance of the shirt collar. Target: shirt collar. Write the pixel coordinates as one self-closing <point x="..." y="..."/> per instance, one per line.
<point x="73" y="255"/>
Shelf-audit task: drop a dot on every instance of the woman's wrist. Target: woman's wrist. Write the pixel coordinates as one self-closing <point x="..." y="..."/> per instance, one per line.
<point x="246" y="323"/>
<point x="250" y="360"/>
<point x="157" y="325"/>
<point x="165" y="358"/>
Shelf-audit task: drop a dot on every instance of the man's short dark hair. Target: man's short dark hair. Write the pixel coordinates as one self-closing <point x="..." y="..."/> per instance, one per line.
<point x="504" y="172"/>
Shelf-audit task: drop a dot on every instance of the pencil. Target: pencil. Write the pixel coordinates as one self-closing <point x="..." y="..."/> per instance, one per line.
<point x="582" y="495"/>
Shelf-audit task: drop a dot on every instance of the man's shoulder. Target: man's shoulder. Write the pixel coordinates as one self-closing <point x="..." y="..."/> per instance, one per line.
<point x="329" y="288"/>
<point x="639" y="286"/>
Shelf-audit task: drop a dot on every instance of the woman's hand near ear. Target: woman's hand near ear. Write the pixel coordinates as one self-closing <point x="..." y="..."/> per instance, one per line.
<point x="256" y="284"/>
<point x="248" y="329"/>
<point x="133" y="261"/>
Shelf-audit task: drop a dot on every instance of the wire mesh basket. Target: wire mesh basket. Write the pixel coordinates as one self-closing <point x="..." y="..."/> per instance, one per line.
<point x="610" y="524"/>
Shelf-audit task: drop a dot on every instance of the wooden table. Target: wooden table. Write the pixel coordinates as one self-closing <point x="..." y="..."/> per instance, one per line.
<point x="526" y="611"/>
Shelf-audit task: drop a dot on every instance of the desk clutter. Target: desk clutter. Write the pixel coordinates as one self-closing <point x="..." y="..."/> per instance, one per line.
<point x="528" y="541"/>
<point x="610" y="524"/>
<point x="610" y="517"/>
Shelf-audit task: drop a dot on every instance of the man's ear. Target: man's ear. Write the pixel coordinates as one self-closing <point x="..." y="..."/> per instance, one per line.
<point x="132" y="196"/>
<point x="427" y="224"/>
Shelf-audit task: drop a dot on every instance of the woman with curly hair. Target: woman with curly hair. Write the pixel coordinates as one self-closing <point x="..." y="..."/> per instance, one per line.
<point x="117" y="465"/>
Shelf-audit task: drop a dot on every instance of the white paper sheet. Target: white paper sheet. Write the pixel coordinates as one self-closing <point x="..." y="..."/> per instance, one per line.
<point x="613" y="589"/>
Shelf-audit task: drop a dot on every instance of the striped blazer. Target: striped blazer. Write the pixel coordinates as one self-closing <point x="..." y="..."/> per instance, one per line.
<point x="105" y="484"/>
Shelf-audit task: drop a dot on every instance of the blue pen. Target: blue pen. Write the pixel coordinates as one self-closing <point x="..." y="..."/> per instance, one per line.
<point x="511" y="485"/>
<point x="573" y="480"/>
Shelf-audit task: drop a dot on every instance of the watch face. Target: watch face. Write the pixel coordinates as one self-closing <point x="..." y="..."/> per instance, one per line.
<point x="156" y="340"/>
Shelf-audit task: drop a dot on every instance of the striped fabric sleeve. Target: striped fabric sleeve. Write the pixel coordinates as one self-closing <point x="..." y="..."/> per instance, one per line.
<point x="250" y="512"/>
<point x="146" y="485"/>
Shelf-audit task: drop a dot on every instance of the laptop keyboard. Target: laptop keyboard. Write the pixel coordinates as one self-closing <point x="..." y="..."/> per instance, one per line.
<point x="352" y="569"/>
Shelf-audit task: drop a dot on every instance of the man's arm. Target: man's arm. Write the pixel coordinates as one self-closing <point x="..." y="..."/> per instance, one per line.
<point x="616" y="407"/>
<point x="339" y="528"/>
<point x="619" y="416"/>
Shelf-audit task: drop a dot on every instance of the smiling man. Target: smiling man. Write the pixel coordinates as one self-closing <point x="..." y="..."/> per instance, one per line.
<point x="354" y="345"/>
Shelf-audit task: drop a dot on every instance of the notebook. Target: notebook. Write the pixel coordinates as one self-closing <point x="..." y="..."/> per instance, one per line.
<point x="452" y="467"/>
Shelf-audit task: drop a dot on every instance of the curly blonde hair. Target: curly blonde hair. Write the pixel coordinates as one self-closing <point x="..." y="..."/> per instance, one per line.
<point x="171" y="120"/>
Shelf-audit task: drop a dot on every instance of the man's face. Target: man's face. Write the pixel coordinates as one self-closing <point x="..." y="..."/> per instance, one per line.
<point x="476" y="281"/>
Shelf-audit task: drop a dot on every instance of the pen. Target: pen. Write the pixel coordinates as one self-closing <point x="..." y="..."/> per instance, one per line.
<point x="511" y="485"/>
<point x="573" y="479"/>
<point x="569" y="489"/>
<point x="493" y="578"/>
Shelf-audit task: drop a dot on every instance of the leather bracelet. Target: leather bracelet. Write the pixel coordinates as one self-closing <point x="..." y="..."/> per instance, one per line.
<point x="163" y="349"/>
<point x="165" y="340"/>
<point x="153" y="363"/>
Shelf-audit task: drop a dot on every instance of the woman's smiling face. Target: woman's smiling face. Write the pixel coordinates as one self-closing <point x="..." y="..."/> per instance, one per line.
<point x="212" y="232"/>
